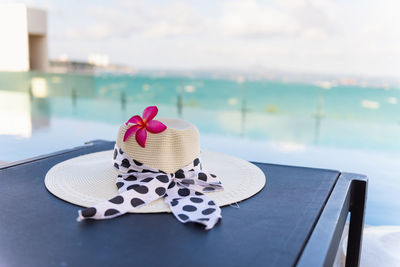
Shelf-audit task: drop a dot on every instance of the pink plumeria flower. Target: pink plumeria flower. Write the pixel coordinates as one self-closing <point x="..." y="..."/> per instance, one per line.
<point x="144" y="124"/>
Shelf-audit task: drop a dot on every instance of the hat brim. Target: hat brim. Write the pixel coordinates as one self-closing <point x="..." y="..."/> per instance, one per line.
<point x="90" y="179"/>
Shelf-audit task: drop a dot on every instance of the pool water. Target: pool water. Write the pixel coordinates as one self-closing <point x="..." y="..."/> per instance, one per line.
<point x="347" y="128"/>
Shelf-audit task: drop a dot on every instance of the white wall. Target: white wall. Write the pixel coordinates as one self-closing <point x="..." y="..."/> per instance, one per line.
<point x="23" y="38"/>
<point x="14" y="51"/>
<point x="37" y="21"/>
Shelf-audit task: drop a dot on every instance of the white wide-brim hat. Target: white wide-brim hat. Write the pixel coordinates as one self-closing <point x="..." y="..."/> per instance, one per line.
<point x="91" y="179"/>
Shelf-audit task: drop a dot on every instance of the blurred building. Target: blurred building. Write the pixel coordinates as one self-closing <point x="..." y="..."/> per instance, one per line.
<point x="94" y="65"/>
<point x="67" y="66"/>
<point x="98" y="59"/>
<point x="23" y="32"/>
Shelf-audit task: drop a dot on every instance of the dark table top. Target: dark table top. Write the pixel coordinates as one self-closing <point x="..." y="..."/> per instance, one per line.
<point x="269" y="229"/>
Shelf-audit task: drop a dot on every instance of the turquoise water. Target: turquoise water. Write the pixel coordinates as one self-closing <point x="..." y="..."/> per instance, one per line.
<point x="346" y="127"/>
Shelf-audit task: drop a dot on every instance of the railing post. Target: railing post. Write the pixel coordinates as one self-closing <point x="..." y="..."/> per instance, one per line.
<point x="357" y="207"/>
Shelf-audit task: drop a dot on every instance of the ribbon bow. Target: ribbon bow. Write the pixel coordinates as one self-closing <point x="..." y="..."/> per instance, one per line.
<point x="138" y="185"/>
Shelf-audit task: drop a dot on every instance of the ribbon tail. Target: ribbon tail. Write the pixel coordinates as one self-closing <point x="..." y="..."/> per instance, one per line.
<point x="117" y="206"/>
<point x="191" y="206"/>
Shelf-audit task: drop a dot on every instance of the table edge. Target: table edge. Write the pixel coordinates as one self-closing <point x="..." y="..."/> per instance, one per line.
<point x="321" y="247"/>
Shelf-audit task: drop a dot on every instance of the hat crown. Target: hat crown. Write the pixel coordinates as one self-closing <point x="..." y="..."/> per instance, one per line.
<point x="169" y="150"/>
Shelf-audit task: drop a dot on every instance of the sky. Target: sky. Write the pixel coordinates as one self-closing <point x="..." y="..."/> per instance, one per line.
<point x="358" y="37"/>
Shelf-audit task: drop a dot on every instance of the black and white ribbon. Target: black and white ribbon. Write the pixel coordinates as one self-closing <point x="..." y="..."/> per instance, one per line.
<point x="139" y="185"/>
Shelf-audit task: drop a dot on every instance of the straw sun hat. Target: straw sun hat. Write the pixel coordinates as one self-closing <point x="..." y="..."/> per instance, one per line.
<point x="155" y="166"/>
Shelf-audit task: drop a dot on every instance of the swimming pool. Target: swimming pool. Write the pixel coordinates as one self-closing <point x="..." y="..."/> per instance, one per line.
<point x="343" y="127"/>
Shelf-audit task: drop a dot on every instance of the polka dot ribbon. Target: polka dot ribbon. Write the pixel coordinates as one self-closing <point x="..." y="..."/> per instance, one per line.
<point x="139" y="185"/>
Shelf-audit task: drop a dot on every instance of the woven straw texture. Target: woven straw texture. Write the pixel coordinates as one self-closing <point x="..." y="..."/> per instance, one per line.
<point x="90" y="179"/>
<point x="168" y="151"/>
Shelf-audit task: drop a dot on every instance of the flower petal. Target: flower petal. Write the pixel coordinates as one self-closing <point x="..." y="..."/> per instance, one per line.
<point x="135" y="119"/>
<point x="131" y="131"/>
<point x="149" y="113"/>
<point x="155" y="126"/>
<point x="141" y="136"/>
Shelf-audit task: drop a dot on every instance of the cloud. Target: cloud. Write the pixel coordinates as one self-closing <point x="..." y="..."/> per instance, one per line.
<point x="250" y="19"/>
<point x="175" y="20"/>
<point x="93" y="32"/>
<point x="288" y="19"/>
<point x="131" y="20"/>
<point x="243" y="19"/>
